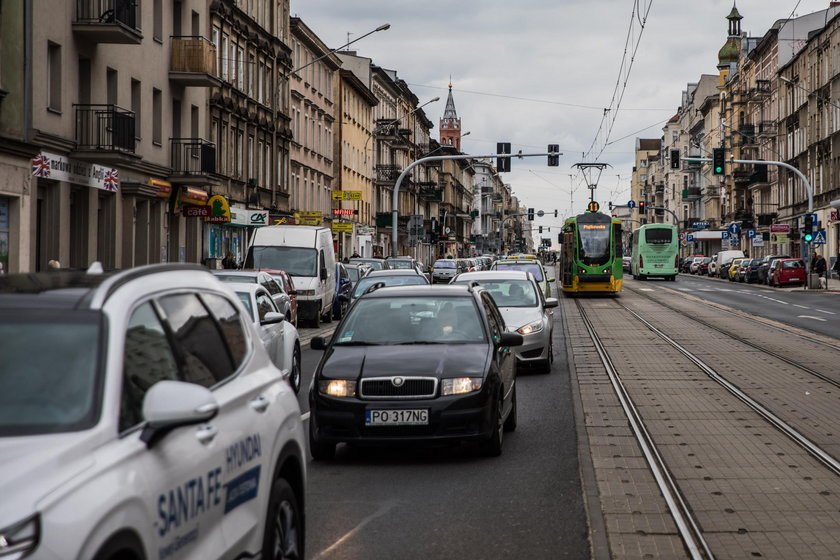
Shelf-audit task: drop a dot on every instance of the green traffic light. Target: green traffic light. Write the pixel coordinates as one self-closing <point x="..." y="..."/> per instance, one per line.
<point x="809" y="237"/>
<point x="719" y="170"/>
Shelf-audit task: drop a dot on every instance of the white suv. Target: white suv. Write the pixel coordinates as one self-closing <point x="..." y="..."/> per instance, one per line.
<point x="145" y="421"/>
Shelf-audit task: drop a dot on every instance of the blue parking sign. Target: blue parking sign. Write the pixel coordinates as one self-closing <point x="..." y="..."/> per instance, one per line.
<point x="750" y="234"/>
<point x="690" y="238"/>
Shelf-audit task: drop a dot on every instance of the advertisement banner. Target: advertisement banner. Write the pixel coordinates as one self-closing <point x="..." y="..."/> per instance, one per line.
<point x="61" y="168"/>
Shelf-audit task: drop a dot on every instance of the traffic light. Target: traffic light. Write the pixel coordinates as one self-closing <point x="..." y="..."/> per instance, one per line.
<point x="642" y="208"/>
<point x="675" y="159"/>
<point x="553" y="161"/>
<point x="808" y="229"/>
<point x="540" y="229"/>
<point x="559" y="238"/>
<point x="555" y="213"/>
<point x="531" y="214"/>
<point x="503" y="163"/>
<point x="718" y="160"/>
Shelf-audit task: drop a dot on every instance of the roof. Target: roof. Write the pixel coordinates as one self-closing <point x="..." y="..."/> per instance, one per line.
<point x="495" y="275"/>
<point x="449" y="112"/>
<point x="393" y="272"/>
<point x="423" y="290"/>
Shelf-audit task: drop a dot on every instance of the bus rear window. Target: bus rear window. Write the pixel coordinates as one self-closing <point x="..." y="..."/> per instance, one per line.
<point x="657" y="236"/>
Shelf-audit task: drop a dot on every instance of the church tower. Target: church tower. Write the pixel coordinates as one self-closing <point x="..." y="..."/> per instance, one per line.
<point x="730" y="53"/>
<point x="450" y="124"/>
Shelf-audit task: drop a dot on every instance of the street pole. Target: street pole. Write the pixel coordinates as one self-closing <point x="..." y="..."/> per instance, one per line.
<point x="396" y="199"/>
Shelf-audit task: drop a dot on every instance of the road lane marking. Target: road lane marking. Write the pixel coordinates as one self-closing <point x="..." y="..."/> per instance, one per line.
<point x="801" y="306"/>
<point x="385" y="508"/>
<point x="811" y="317"/>
<point x="826" y="312"/>
<point x="646" y="289"/>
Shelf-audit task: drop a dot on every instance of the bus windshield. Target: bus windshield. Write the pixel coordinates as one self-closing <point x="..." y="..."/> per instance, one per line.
<point x="658" y="236"/>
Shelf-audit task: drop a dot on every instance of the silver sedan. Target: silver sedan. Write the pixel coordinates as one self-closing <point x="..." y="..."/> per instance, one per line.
<point x="524" y="310"/>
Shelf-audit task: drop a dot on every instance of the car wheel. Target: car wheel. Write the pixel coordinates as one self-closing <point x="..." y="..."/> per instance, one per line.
<point x="492" y="447"/>
<point x="319" y="450"/>
<point x="329" y="316"/>
<point x="510" y="423"/>
<point x="294" y="376"/>
<point x="545" y="366"/>
<point x="283" y="536"/>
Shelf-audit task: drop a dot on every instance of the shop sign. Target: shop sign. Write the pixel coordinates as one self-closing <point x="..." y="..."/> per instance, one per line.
<point x="191" y="211"/>
<point x="278" y="220"/>
<point x="779" y="228"/>
<point x="308" y="221"/>
<point x="345" y="211"/>
<point x="241" y="216"/>
<point x="164" y="187"/>
<point x="365" y="230"/>
<point x="778" y="237"/>
<point x="347" y="195"/>
<point x="309" y="214"/>
<point x="309" y="218"/>
<point x="219" y="210"/>
<point x="346" y="227"/>
<point x="834" y="215"/>
<point x="191" y="195"/>
<point x="60" y="168"/>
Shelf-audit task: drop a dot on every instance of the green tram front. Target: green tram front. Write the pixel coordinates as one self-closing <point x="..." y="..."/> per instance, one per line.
<point x="591" y="254"/>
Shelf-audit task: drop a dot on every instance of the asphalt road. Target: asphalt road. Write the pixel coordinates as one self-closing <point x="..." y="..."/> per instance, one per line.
<point x="451" y="502"/>
<point x="812" y="310"/>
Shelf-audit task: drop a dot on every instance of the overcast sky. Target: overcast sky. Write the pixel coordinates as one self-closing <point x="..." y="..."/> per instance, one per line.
<point x="543" y="71"/>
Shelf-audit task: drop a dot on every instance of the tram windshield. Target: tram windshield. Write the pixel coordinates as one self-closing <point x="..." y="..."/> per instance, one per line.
<point x="594" y="245"/>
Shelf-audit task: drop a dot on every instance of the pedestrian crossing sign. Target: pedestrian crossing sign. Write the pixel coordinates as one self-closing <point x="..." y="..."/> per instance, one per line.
<point x="819" y="237"/>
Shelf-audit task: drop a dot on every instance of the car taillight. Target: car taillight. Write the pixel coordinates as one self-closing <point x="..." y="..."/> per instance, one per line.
<point x="677" y="261"/>
<point x="641" y="261"/>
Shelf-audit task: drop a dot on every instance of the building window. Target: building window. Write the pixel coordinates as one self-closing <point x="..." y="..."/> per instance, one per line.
<point x="215" y="37"/>
<point x="157" y="24"/>
<point x="240" y="63"/>
<point x="136" y="106"/>
<point x="157" y="117"/>
<point x="54" y="76"/>
<point x="223" y="57"/>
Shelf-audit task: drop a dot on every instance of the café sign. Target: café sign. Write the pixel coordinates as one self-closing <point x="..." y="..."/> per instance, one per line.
<point x="60" y="168"/>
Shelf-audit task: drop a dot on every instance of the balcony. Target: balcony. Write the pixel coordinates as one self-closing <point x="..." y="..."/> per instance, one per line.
<point x="691" y="193"/>
<point x="742" y="174"/>
<point x="768" y="128"/>
<point x="761" y="90"/>
<point x="193" y="160"/>
<point x="385" y="128"/>
<point x="388" y="173"/>
<point x="107" y="21"/>
<point x="430" y="193"/>
<point x="747" y="134"/>
<point x="193" y="62"/>
<point x="104" y="133"/>
<point x="659" y="188"/>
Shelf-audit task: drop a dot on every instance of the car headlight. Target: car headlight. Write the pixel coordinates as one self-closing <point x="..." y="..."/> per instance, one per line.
<point x="20" y="539"/>
<point x="306" y="292"/>
<point x="337" y="387"/>
<point x="459" y="385"/>
<point x="531" y="328"/>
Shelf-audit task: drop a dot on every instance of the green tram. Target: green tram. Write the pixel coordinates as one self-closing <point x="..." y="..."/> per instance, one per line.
<point x="591" y="257"/>
<point x="656" y="252"/>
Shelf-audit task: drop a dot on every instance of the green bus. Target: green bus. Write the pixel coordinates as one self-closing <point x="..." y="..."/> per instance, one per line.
<point x="655" y="252"/>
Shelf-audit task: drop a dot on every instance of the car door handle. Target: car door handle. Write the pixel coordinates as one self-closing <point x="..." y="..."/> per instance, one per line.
<point x="260" y="404"/>
<point x="206" y="434"/>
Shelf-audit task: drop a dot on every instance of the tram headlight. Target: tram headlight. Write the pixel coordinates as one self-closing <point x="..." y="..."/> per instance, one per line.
<point x="608" y="270"/>
<point x="581" y="270"/>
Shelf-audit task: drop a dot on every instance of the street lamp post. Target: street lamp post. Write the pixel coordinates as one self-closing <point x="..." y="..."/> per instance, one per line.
<point x="383" y="27"/>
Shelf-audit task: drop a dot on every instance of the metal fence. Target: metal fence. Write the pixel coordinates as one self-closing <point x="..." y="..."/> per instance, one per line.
<point x="105" y="128"/>
<point x="107" y="11"/>
<point x="192" y="156"/>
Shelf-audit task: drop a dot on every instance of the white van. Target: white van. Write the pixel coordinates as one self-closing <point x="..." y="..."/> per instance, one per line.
<point x="726" y="257"/>
<point x="307" y="254"/>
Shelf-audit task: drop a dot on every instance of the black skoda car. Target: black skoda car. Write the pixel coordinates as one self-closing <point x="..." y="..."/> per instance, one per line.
<point x="415" y="363"/>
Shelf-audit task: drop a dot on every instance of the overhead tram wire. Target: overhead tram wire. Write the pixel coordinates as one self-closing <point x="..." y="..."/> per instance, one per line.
<point x="611" y="113"/>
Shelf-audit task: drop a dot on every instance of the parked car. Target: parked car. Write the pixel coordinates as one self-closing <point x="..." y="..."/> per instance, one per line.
<point x="703" y="266"/>
<point x="724" y="257"/>
<point x="734" y="267"/>
<point x="343" y="289"/>
<point x="155" y="421"/>
<point x="288" y="285"/>
<point x="357" y="271"/>
<point x="751" y="270"/>
<point x="264" y="279"/>
<point x="694" y="267"/>
<point x="417" y="364"/>
<point x="787" y="272"/>
<point x="279" y="336"/>
<point x="404" y="277"/>
<point x="625" y="263"/>
<point x="741" y="273"/>
<point x="685" y="263"/>
<point x="764" y="267"/>
<point x="524" y="310"/>
<point x="713" y="265"/>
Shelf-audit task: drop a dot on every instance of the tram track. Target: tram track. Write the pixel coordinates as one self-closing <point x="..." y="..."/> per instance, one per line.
<point x="687" y="526"/>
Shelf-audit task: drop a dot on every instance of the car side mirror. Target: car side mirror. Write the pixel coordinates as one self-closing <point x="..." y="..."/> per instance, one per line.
<point x="171" y="404"/>
<point x="272" y="317"/>
<point x="318" y="343"/>
<point x="511" y="339"/>
<point x="552" y="279"/>
<point x="551" y="302"/>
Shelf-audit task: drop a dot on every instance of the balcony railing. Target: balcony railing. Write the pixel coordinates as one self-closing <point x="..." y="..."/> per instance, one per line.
<point x="691" y="193"/>
<point x="747" y="134"/>
<point x="659" y="188"/>
<point x="193" y="62"/>
<point x="387" y="172"/>
<point x="742" y="174"/>
<point x="104" y="128"/>
<point x="761" y="90"/>
<point x="108" y="21"/>
<point x="768" y="128"/>
<point x="192" y="156"/>
<point x="385" y="128"/>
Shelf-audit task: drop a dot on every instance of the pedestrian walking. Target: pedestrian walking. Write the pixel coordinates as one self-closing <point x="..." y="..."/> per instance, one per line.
<point x="355" y="255"/>
<point x="820" y="267"/>
<point x="228" y="261"/>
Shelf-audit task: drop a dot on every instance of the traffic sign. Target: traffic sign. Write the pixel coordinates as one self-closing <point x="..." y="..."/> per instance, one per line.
<point x="819" y="237"/>
<point x="750" y="234"/>
<point x="690" y="238"/>
<point x="724" y="235"/>
<point x="631" y="204"/>
<point x="734" y="229"/>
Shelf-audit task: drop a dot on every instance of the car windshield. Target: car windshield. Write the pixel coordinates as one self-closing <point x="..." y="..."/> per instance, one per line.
<point x="793" y="264"/>
<point x="245" y="298"/>
<point x="297" y="261"/>
<point x="407" y="280"/>
<point x="353" y="273"/>
<point x="237" y="278"/>
<point x="509" y="293"/>
<point x="412" y="320"/>
<point x="49" y="369"/>
<point x="375" y="264"/>
<point x="401" y="264"/>
<point x="444" y="264"/>
<point x="535" y="269"/>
